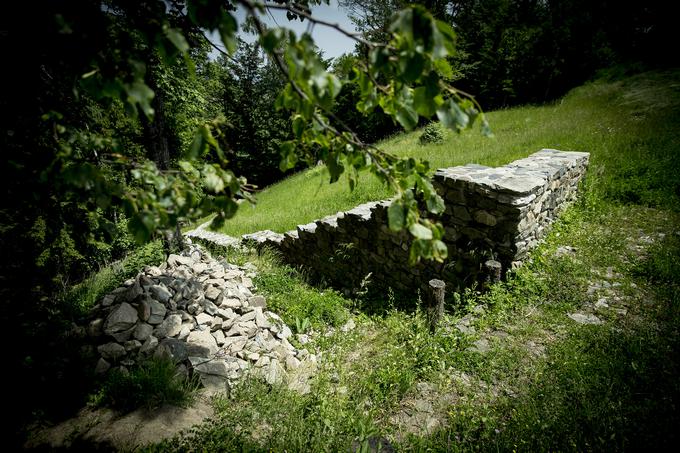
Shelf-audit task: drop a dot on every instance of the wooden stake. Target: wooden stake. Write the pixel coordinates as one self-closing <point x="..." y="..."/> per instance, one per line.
<point x="435" y="308"/>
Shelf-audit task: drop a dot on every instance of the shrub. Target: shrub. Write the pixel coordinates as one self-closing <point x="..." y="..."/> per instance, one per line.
<point x="432" y="133"/>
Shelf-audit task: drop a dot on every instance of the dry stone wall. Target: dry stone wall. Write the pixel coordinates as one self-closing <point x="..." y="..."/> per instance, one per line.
<point x="491" y="213"/>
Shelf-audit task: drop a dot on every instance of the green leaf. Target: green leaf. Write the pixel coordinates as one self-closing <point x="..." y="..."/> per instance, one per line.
<point x="440" y="250"/>
<point x="212" y="181"/>
<point x="288" y="156"/>
<point x="271" y="39"/>
<point x="298" y="126"/>
<point x="486" y="129"/>
<point x="444" y="40"/>
<point x="335" y="167"/>
<point x="435" y="204"/>
<point x="406" y="116"/>
<point x="138" y="93"/>
<point x="198" y="146"/>
<point x="396" y="217"/>
<point x="177" y="38"/>
<point x="227" y="28"/>
<point x="411" y="68"/>
<point x="451" y="116"/>
<point x="420" y="231"/>
<point x="424" y="101"/>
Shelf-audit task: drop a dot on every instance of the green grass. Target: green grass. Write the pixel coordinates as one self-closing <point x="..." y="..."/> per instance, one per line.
<point x="150" y="384"/>
<point x="79" y="299"/>
<point x="618" y="122"/>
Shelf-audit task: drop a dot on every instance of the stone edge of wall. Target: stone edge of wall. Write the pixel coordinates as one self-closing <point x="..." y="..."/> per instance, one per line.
<point x="499" y="212"/>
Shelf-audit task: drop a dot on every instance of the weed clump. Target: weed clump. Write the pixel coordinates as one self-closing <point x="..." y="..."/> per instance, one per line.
<point x="151" y="384"/>
<point x="432" y="134"/>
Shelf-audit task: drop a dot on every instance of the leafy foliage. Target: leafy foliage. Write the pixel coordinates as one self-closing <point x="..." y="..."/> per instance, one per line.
<point x="432" y="133"/>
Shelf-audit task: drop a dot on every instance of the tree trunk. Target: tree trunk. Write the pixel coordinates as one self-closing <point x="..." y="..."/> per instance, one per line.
<point x="155" y="131"/>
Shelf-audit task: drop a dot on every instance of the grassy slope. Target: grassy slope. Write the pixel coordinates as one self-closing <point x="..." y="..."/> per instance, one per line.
<point x="602" y="118"/>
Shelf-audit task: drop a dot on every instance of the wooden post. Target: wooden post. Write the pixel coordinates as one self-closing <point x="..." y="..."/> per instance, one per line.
<point x="435" y="303"/>
<point x="492" y="273"/>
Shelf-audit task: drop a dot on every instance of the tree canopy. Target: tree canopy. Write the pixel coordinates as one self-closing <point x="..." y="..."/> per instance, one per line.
<point x="112" y="119"/>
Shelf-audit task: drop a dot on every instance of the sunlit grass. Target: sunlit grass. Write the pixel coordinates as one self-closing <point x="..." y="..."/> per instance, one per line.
<point x="608" y="119"/>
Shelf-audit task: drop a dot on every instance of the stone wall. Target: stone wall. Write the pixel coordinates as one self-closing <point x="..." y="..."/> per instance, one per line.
<point x="491" y="213"/>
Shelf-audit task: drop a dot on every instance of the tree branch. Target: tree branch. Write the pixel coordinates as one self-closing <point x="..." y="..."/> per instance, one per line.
<point x="352" y="35"/>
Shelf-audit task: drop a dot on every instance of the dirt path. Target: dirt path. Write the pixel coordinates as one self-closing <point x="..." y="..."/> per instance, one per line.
<point x="105" y="429"/>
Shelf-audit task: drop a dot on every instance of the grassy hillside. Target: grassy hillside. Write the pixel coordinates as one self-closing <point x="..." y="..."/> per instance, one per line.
<point x="616" y="121"/>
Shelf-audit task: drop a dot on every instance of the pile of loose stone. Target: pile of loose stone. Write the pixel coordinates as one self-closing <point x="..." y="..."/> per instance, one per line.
<point x="202" y="314"/>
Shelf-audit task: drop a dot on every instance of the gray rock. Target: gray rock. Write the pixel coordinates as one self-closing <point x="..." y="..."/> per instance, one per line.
<point x="232" y="303"/>
<point x="262" y="362"/>
<point x="199" y="268"/>
<point x="485" y="218"/>
<point x="292" y="363"/>
<point x="601" y="303"/>
<point x="210" y="307"/>
<point x="585" y="318"/>
<point x="111" y="351"/>
<point x="184" y="331"/>
<point x="176" y="260"/>
<point x="132" y="345"/>
<point x="212" y="292"/>
<point x="260" y="319"/>
<point x="186" y="316"/>
<point x="123" y="336"/>
<point x="160" y="293"/>
<point x="217" y="367"/>
<point x="235" y="344"/>
<point x="121" y="318"/>
<point x="151" y="311"/>
<point x="172" y="348"/>
<point x="108" y="300"/>
<point x="204" y="319"/>
<point x="216" y="324"/>
<point x="149" y="346"/>
<point x="102" y="366"/>
<point x="274" y="373"/>
<point x="258" y="301"/>
<point x="201" y="344"/>
<point x="219" y="337"/>
<point x="482" y="346"/>
<point x="142" y="331"/>
<point x="565" y="250"/>
<point x="133" y="292"/>
<point x="247" y="317"/>
<point x="349" y="325"/>
<point x="145" y="281"/>
<point x="226" y="314"/>
<point x="285" y="332"/>
<point x="303" y="338"/>
<point x="170" y="327"/>
<point x="95" y="328"/>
